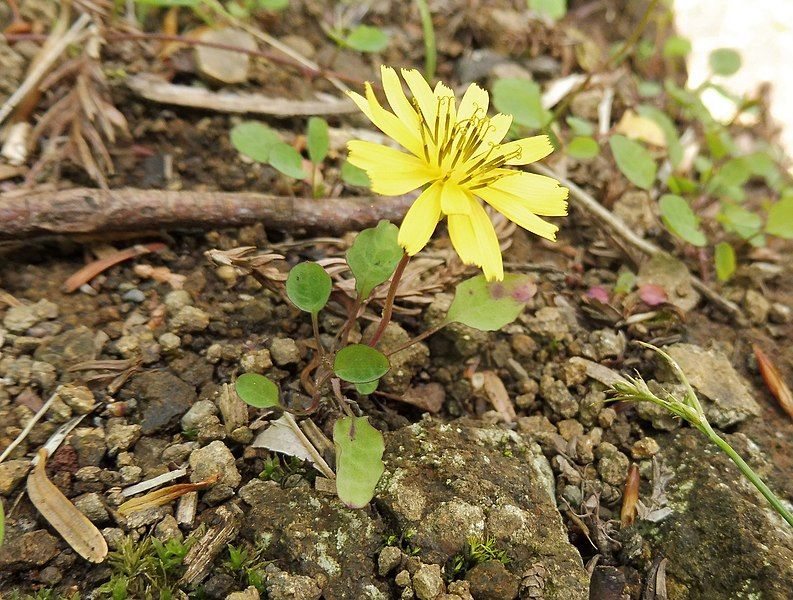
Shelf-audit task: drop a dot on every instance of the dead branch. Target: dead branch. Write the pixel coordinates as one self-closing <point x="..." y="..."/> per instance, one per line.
<point x="91" y="211"/>
<point x="619" y="228"/>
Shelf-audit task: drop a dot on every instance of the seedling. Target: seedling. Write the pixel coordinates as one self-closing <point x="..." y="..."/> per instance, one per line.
<point x="475" y="552"/>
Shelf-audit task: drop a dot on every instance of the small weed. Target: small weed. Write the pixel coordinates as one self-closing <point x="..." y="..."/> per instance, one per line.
<point x="403" y="541"/>
<point x="282" y="470"/>
<point x="246" y="567"/>
<point x="476" y="551"/>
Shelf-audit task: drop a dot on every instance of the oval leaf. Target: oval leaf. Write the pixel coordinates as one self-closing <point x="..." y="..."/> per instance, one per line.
<point x="680" y="219"/>
<point x="489" y="306"/>
<point x="359" y="363"/>
<point x="317" y="139"/>
<point x="364" y="389"/>
<point x="724" y="61"/>
<point x="583" y="147"/>
<point x="359" y="460"/>
<point x="373" y="256"/>
<point x="724" y="257"/>
<point x="287" y="160"/>
<point x="308" y="286"/>
<point x="780" y="218"/>
<point x="352" y="175"/>
<point x="254" y="140"/>
<point x="634" y="161"/>
<point x="366" y="38"/>
<point x="521" y="99"/>
<point x="257" y="390"/>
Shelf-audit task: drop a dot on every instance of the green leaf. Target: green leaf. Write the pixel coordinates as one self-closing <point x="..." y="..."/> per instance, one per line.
<point x="580" y="126"/>
<point x="254" y="140"/>
<point x="359" y="460"/>
<point x="680" y="219"/>
<point x="673" y="146"/>
<point x="317" y="139"/>
<point x="739" y="220"/>
<point x="625" y="282"/>
<point x="550" y="9"/>
<point x="649" y="88"/>
<point x="273" y="5"/>
<point x="724" y="257"/>
<point x="780" y="219"/>
<point x="677" y="46"/>
<point x="364" y="389"/>
<point x="373" y="256"/>
<point x="583" y="148"/>
<point x="366" y="38"/>
<point x="681" y="185"/>
<point x="734" y="173"/>
<point x="308" y="287"/>
<point x="521" y="99"/>
<point x="724" y="61"/>
<point x="352" y="175"/>
<point x="257" y="390"/>
<point x="287" y="160"/>
<point x="634" y="161"/>
<point x="359" y="363"/>
<point x="488" y="306"/>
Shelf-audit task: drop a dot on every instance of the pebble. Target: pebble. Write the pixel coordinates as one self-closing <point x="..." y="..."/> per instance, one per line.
<point x="177" y="299"/>
<point x="570" y="428"/>
<point x="606" y="417"/>
<point x="558" y="397"/>
<point x="134" y="295"/>
<point x="168" y="529"/>
<point x="250" y="593"/>
<point x="780" y="313"/>
<point x="215" y="459"/>
<point x="32" y="549"/>
<point x="91" y="506"/>
<point x="169" y="342"/>
<point x="757" y="307"/>
<point x="11" y="473"/>
<point x="284" y="351"/>
<point x="130" y="474"/>
<point x="190" y="319"/>
<point x="121" y="437"/>
<point x="77" y="397"/>
<point x="427" y="582"/>
<point x="490" y="580"/>
<point x="281" y="585"/>
<point x="258" y="361"/>
<point x="50" y="576"/>
<point x="402" y="578"/>
<point x="198" y="414"/>
<point x="612" y="464"/>
<point x="21" y="318"/>
<point x="645" y="448"/>
<point x="389" y="559"/>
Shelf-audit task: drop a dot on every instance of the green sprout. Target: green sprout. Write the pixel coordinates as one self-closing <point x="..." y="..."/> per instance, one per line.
<point x="688" y="408"/>
<point x="476" y="552"/>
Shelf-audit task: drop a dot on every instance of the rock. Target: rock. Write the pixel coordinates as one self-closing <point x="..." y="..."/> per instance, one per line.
<point x="389" y="559"/>
<point x="724" y="395"/>
<point x="285" y="586"/>
<point x="168" y="529"/>
<point x="50" y="576"/>
<point x="215" y="460"/>
<point x="490" y="580"/>
<point x="77" y="397"/>
<point x="130" y="474"/>
<point x="478" y="64"/>
<point x="638" y="210"/>
<point x="177" y="299"/>
<point x="224" y="66"/>
<point x="552" y="323"/>
<point x="672" y="275"/>
<point x="68" y="348"/>
<point x="258" y="361"/>
<point x="121" y="437"/>
<point x="189" y="319"/>
<point x="92" y="506"/>
<point x="133" y="295"/>
<point x="32" y="549"/>
<point x="612" y="464"/>
<point x="402" y="578"/>
<point x="757" y="307"/>
<point x="169" y="342"/>
<point x="163" y="397"/>
<point x="718" y="519"/>
<point x="585" y="104"/>
<point x="404" y="364"/>
<point x="89" y="442"/>
<point x="284" y="351"/>
<point x="428" y="583"/>
<point x="19" y="319"/>
<point x="193" y="369"/>
<point x="608" y="343"/>
<point x="198" y="414"/>
<point x="558" y="397"/>
<point x="250" y="593"/>
<point x="145" y="517"/>
<point x="660" y="417"/>
<point x="461" y="589"/>
<point x="11" y="473"/>
<point x="447" y="481"/>
<point x="233" y="410"/>
<point x="570" y="429"/>
<point x="780" y="313"/>
<point x="645" y="448"/>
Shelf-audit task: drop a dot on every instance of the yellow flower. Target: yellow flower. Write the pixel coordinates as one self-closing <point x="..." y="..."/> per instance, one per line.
<point x="458" y="151"/>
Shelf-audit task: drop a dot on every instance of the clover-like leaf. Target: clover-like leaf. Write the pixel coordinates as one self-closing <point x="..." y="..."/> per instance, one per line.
<point x="523" y="100"/>
<point x="308" y="286"/>
<point x="724" y="61"/>
<point x="373" y="256"/>
<point x="317" y="139"/>
<point x="359" y="363"/>
<point x="255" y="140"/>
<point x="489" y="306"/>
<point x="634" y="161"/>
<point x="359" y="460"/>
<point x="583" y="147"/>
<point x="366" y="38"/>
<point x="287" y="160"/>
<point x="257" y="390"/>
<point x="680" y="219"/>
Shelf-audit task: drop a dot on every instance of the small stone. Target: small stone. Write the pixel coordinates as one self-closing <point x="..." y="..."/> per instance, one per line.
<point x="18" y="319"/>
<point x="68" y="348"/>
<point x="32" y="549"/>
<point x="462" y="589"/>
<point x="402" y="578"/>
<point x="145" y="517"/>
<point x="50" y="576"/>
<point x="427" y="582"/>
<point x="168" y="529"/>
<point x="389" y="559"/>
<point x="77" y="397"/>
<point x="284" y="351"/>
<point x="780" y="313"/>
<point x="249" y="593"/>
<point x="190" y="319"/>
<point x="130" y="474"/>
<point x="574" y="373"/>
<point x="121" y="437"/>
<point x="285" y="586"/>
<point x="90" y="445"/>
<point x="558" y="397"/>
<point x="59" y="411"/>
<point x="214" y="459"/>
<point x="757" y="307"/>
<point x="612" y="464"/>
<point x="645" y="448"/>
<point x="198" y="414"/>
<point x="608" y="343"/>
<point x="164" y="399"/>
<point x="490" y="580"/>
<point x="177" y="299"/>
<point x="523" y="345"/>
<point x="233" y="410"/>
<point x="606" y="417"/>
<point x="258" y="361"/>
<point x="134" y="295"/>
<point x="169" y="342"/>
<point x="672" y="275"/>
<point x="91" y="506"/>
<point x="114" y="536"/>
<point x="11" y="473"/>
<point x="570" y="428"/>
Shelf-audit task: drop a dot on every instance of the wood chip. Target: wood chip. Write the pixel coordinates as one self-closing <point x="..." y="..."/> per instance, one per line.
<point x="186" y="509"/>
<point x="163" y="496"/>
<point x="497" y="393"/>
<point x="153" y="482"/>
<point x="630" y="497"/>
<point x="73" y="526"/>
<point x="773" y="379"/>
<point x="225" y="526"/>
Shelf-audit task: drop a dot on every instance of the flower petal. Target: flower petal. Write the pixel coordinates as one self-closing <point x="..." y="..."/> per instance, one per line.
<point x="463" y="238"/>
<point x="511" y="207"/>
<point x="475" y="102"/>
<point x="454" y="200"/>
<point x="397" y="99"/>
<point x="421" y="220"/>
<point x="540" y="194"/>
<point x="531" y="149"/>
<point x="499" y="126"/>
<point x="421" y="92"/>
<point x="392" y="172"/>
<point x="489" y="250"/>
<point x="386" y="121"/>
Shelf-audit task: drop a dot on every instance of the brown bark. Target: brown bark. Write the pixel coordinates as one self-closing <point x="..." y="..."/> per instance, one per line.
<point x="91" y="211"/>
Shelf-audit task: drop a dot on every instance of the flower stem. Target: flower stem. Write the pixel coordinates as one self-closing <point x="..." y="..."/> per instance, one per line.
<point x="388" y="307"/>
<point x="430" y="51"/>
<point x="315" y="327"/>
<point x="422" y="336"/>
<point x="749" y="474"/>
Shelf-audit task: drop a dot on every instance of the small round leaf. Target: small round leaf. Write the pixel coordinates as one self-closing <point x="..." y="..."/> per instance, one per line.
<point x="725" y="61"/>
<point x="308" y="286"/>
<point x="359" y="363"/>
<point x="364" y="389"/>
<point x="257" y="390"/>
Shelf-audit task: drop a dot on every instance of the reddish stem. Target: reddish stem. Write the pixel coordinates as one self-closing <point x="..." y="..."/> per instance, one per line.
<point x="388" y="307"/>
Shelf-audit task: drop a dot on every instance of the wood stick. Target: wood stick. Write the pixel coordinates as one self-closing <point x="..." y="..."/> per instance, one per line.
<point x="79" y="211"/>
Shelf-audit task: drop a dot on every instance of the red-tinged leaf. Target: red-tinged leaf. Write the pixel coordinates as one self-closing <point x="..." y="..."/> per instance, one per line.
<point x="598" y="293"/>
<point x="91" y="270"/>
<point x="773" y="379"/>
<point x="630" y="497"/>
<point x="653" y="294"/>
